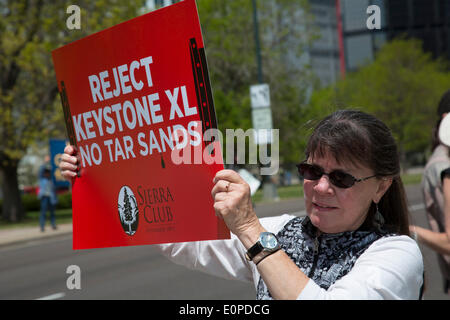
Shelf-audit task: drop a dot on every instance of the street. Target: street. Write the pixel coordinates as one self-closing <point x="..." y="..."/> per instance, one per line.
<point x="37" y="270"/>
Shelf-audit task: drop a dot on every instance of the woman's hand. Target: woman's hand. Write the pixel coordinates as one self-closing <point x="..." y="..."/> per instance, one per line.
<point x="69" y="163"/>
<point x="233" y="203"/>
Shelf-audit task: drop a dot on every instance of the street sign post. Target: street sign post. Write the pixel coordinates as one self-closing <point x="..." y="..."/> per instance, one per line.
<point x="260" y="96"/>
<point x="262" y="123"/>
<point x="261" y="113"/>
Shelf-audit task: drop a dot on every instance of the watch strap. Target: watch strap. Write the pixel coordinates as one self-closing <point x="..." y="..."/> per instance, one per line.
<point x="257" y="252"/>
<point x="264" y="254"/>
<point x="254" y="250"/>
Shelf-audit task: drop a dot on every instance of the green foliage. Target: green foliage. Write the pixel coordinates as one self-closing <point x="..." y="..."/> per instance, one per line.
<point x="402" y="87"/>
<point x="284" y="192"/>
<point x="285" y="32"/>
<point x="64" y="201"/>
<point x="29" y="107"/>
<point x="31" y="202"/>
<point x="30" y="110"/>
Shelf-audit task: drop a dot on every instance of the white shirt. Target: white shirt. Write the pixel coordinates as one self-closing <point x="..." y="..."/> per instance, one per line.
<point x="391" y="268"/>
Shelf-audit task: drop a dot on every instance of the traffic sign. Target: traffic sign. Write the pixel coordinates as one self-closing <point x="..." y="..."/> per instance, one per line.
<point x="260" y="95"/>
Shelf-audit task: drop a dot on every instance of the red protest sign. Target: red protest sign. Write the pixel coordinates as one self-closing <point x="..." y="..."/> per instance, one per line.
<point x="137" y="103"/>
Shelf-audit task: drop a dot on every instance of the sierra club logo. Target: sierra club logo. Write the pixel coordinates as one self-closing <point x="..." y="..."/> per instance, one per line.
<point x="128" y="210"/>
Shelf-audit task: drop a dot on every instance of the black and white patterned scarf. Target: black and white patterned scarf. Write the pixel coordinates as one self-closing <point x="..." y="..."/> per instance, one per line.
<point x="335" y="257"/>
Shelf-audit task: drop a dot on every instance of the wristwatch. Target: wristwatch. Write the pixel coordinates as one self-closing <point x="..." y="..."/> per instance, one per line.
<point x="266" y="245"/>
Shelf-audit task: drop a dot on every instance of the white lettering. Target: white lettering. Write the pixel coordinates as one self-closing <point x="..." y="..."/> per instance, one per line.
<point x="131" y="124"/>
<point x="124" y="78"/>
<point x="188" y="111"/>
<point x="108" y="143"/>
<point x="145" y="62"/>
<point x="78" y="130"/>
<point x="154" y="108"/>
<point x="98" y="120"/>
<point x="144" y="152"/>
<point x="94" y="83"/>
<point x="173" y="103"/>
<point x="106" y="115"/>
<point x="105" y="85"/>
<point x="88" y="125"/>
<point x="116" y="91"/>
<point x="116" y="108"/>
<point x="137" y="85"/>
<point x="142" y="111"/>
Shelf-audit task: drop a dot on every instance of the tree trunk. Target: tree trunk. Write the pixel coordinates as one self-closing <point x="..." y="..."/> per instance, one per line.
<point x="12" y="208"/>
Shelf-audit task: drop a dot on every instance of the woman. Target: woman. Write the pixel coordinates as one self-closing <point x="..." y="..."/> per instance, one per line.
<point x="432" y="188"/>
<point x="438" y="241"/>
<point x="436" y="185"/>
<point x="354" y="242"/>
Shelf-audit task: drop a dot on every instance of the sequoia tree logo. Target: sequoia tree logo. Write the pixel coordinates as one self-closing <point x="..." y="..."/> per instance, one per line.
<point x="128" y="210"/>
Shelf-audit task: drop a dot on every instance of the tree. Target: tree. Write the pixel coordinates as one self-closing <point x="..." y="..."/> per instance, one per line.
<point x="128" y="214"/>
<point x="402" y="87"/>
<point x="29" y="107"/>
<point x="30" y="110"/>
<point x="285" y="33"/>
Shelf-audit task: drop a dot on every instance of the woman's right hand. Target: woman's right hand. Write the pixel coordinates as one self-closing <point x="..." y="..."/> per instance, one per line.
<point x="69" y="163"/>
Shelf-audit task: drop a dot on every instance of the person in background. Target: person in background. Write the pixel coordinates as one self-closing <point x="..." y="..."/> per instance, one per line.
<point x="47" y="196"/>
<point x="436" y="192"/>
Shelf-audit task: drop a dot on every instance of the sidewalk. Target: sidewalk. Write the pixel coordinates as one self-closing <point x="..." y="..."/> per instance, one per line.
<point x="22" y="235"/>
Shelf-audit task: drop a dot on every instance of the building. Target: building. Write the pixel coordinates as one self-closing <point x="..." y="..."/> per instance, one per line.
<point x="323" y="55"/>
<point x="426" y="20"/>
<point x="345" y="21"/>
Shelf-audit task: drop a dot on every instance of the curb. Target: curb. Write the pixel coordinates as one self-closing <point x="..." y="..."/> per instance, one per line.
<point x="16" y="236"/>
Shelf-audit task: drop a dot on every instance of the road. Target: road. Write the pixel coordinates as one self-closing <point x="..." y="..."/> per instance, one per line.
<point x="37" y="270"/>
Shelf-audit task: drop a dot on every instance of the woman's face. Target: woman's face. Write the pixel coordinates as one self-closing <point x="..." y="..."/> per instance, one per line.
<point x="332" y="209"/>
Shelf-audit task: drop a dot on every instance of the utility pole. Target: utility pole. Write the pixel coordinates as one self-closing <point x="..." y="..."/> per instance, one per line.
<point x="257" y="46"/>
<point x="261" y="109"/>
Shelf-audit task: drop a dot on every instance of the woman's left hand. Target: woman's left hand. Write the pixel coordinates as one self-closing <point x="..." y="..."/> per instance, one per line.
<point x="233" y="203"/>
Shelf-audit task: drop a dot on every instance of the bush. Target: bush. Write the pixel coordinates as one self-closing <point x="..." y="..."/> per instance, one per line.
<point x="64" y="201"/>
<point x="31" y="202"/>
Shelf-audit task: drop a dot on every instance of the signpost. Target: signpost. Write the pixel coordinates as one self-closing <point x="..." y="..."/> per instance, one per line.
<point x="260" y="98"/>
<point x="261" y="113"/>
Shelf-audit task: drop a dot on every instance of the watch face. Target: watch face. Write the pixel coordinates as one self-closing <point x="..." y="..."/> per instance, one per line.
<point x="269" y="241"/>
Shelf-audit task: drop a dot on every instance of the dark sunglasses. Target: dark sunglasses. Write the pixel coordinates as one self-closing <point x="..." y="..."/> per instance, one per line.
<point x="338" y="178"/>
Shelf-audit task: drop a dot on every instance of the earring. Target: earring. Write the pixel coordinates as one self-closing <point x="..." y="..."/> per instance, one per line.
<point x="378" y="218"/>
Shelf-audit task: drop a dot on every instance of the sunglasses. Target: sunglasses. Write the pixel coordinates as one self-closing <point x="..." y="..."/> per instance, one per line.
<point x="338" y="178"/>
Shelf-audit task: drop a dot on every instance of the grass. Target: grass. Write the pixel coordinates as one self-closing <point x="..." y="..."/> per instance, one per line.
<point x="32" y="219"/>
<point x="284" y="193"/>
<point x="411" y="178"/>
